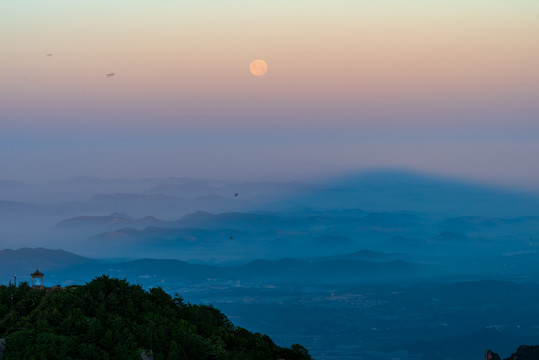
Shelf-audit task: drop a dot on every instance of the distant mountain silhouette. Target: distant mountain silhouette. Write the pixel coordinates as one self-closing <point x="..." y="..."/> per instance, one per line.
<point x="163" y="206"/>
<point x="92" y="224"/>
<point x="363" y="255"/>
<point x="491" y="225"/>
<point x="68" y="266"/>
<point x="403" y="242"/>
<point x="16" y="207"/>
<point x="332" y="241"/>
<point x="241" y="220"/>
<point x="263" y="229"/>
<point x="323" y="270"/>
<point x="40" y="257"/>
<point x="167" y="269"/>
<point x="448" y="236"/>
<point x="391" y="190"/>
<point x="58" y="265"/>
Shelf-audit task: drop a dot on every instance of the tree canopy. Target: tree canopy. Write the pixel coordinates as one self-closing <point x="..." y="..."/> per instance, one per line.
<point x="111" y="319"/>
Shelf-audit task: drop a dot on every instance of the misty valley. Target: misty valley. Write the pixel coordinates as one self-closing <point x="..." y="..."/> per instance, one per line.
<point x="378" y="265"/>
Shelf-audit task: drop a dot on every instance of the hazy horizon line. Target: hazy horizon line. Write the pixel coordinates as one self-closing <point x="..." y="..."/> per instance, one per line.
<point x="320" y="179"/>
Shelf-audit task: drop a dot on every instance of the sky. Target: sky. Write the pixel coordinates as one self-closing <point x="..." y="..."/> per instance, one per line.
<point x="448" y="87"/>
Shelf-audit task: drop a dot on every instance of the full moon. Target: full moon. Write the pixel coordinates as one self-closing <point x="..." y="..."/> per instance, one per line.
<point x="258" y="67"/>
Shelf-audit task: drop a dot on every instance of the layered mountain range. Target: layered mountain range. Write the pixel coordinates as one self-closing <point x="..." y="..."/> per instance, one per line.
<point x="411" y="265"/>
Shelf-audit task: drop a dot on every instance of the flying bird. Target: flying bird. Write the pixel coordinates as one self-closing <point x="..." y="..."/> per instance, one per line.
<point x="236" y="194"/>
<point x="49" y="55"/>
<point x="109" y="75"/>
<point x="230" y="237"/>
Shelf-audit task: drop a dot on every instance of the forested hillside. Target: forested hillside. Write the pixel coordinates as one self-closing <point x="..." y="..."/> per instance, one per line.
<point x="111" y="319"/>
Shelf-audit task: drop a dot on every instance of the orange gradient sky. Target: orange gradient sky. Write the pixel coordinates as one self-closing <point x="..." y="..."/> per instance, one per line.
<point x="411" y="70"/>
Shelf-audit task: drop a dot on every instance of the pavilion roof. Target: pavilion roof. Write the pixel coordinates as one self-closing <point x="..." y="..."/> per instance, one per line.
<point x="37" y="273"/>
